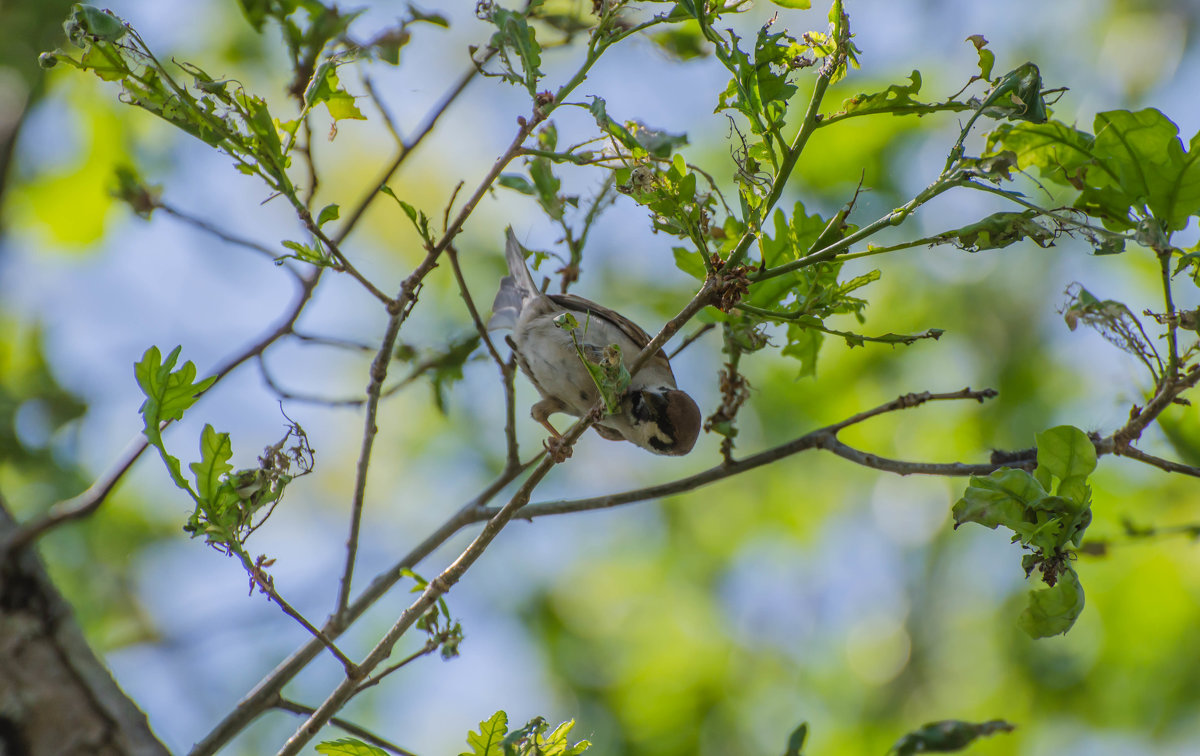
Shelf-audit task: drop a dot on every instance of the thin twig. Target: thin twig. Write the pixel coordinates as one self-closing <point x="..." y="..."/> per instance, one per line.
<point x="332" y="341"/>
<point x="430" y="646"/>
<point x="399" y="309"/>
<point x="1159" y="462"/>
<point x="687" y="342"/>
<point x="342" y="263"/>
<point x="383" y="111"/>
<point x="285" y="704"/>
<point x="262" y="696"/>
<point x="292" y="396"/>
<point x="435" y="590"/>
<point x="821" y="438"/>
<point x="480" y="328"/>
<point x="406" y="149"/>
<point x="222" y="234"/>
<point x="379" y="368"/>
<point x="260" y="579"/>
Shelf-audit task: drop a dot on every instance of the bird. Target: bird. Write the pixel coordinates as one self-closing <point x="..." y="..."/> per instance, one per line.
<point x="653" y="413"/>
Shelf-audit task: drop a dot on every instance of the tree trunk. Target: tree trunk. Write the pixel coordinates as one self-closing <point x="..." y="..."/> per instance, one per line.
<point x="56" y="697"/>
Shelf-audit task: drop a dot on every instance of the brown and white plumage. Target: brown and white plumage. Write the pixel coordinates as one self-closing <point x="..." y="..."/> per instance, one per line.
<point x="653" y="414"/>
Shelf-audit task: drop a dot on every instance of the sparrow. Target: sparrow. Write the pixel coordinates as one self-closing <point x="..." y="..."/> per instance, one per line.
<point x="653" y="413"/>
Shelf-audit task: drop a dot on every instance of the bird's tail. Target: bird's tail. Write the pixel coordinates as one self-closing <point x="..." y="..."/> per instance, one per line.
<point x="515" y="288"/>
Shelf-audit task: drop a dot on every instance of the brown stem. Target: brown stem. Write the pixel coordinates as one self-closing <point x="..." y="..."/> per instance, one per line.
<point x="366" y="735"/>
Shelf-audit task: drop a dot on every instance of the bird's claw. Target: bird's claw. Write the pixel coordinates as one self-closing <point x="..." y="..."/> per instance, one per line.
<point x="558" y="448"/>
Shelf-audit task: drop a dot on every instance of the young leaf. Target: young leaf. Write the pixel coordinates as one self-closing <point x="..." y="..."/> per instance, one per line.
<point x="419" y="220"/>
<point x="489" y="741"/>
<point x="804" y="344"/>
<point x="328" y="213"/>
<point x="987" y="58"/>
<point x="215" y="452"/>
<point x="547" y="185"/>
<point x="1053" y="610"/>
<point x="348" y="747"/>
<point x="305" y="253"/>
<point x="795" y="744"/>
<point x="946" y="736"/>
<point x="1066" y="452"/>
<point x="516" y="35"/>
<point x="1002" y="498"/>
<point x="516" y="183"/>
<point x="324" y="87"/>
<point x="1000" y="230"/>
<point x="168" y="394"/>
<point x="599" y="111"/>
<point x="897" y="99"/>
<point x="1146" y="162"/>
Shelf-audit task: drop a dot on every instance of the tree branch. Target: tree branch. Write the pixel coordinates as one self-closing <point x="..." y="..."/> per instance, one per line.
<point x="821" y="438"/>
<point x="435" y="590"/>
<point x="285" y="704"/>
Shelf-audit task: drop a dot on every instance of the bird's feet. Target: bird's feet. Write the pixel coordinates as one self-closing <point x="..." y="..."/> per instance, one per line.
<point x="558" y="448"/>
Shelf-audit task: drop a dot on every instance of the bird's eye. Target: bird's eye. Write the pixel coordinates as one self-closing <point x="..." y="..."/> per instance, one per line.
<point x="642" y="411"/>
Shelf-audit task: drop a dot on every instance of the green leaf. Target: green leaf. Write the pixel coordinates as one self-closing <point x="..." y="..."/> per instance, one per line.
<point x="306" y="253"/>
<point x="946" y="736"/>
<point x="168" y="394"/>
<point x="688" y="260"/>
<point x="794" y="4"/>
<point x="1002" y="498"/>
<point x="1066" y="452"/>
<point x="760" y="88"/>
<point x="418" y="15"/>
<point x="659" y="143"/>
<point x="1135" y="164"/>
<point x="804" y="344"/>
<point x="897" y="99"/>
<point x="516" y="183"/>
<point x="599" y="111"/>
<point x="328" y="213"/>
<point x="795" y="743"/>
<point x="1000" y="230"/>
<point x="1053" y="610"/>
<point x="987" y="58"/>
<point x="255" y="12"/>
<point x="1060" y="153"/>
<point x="489" y="741"/>
<point x="547" y="186"/>
<point x="514" y="34"/>
<point x="1017" y="96"/>
<point x="96" y="24"/>
<point x="1146" y="162"/>
<point x="324" y="87"/>
<point x="348" y="747"/>
<point x="683" y="41"/>
<point x="215" y="452"/>
<point x="419" y="219"/>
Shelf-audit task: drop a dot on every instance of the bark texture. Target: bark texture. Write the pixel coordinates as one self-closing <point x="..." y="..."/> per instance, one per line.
<point x="56" y="697"/>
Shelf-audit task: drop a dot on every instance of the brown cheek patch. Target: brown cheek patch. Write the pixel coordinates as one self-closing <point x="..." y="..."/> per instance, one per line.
<point x="684" y="418"/>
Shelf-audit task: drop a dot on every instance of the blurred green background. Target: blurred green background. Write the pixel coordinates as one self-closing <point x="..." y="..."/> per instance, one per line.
<point x="711" y="623"/>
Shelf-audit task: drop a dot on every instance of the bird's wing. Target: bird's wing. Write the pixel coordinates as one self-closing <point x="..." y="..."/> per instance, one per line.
<point x="631" y="330"/>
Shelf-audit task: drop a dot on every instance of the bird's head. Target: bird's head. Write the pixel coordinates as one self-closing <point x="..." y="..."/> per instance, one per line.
<point x="660" y="419"/>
